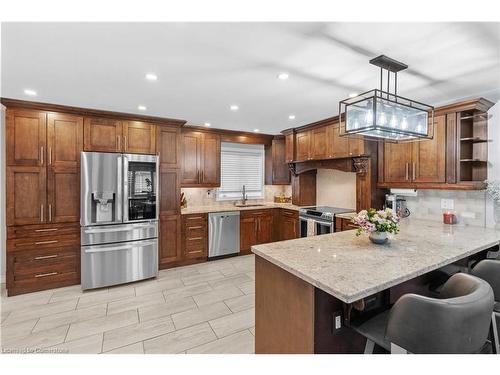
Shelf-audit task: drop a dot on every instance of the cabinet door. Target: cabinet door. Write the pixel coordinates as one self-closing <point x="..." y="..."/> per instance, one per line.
<point x="101" y="134"/>
<point x="318" y="143"/>
<point x="397" y="160"/>
<point x="169" y="245"/>
<point x="289" y="228"/>
<point x="64" y="140"/>
<point x="168" y="146"/>
<point x="139" y="137"/>
<point x="429" y="156"/>
<point x="248" y="233"/>
<point x="26" y="195"/>
<point x="26" y="137"/>
<point x="191" y="151"/>
<point x="303" y="142"/>
<point x="170" y="191"/>
<point x="339" y="145"/>
<point x="63" y="195"/>
<point x="265" y="228"/>
<point x="290" y="147"/>
<point x="356" y="147"/>
<point x="210" y="160"/>
<point x="281" y="173"/>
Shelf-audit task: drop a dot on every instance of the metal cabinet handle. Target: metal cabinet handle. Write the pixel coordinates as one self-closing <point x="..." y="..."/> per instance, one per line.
<point x="41" y="213"/>
<point x="49" y="160"/>
<point x="50" y="213"/>
<point x="201" y="172"/>
<point x="46" y="242"/>
<point x="118" y="142"/>
<point x="198" y="227"/>
<point x="413" y="172"/>
<point x="46" y="257"/>
<point x="46" y="274"/>
<point x="194" y="218"/>
<point x="47" y="230"/>
<point x="406" y="171"/>
<point x="195" y="238"/>
<point x="125" y="146"/>
<point x="41" y="155"/>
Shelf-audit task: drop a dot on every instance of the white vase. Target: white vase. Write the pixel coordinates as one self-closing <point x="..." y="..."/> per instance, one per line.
<point x="378" y="238"/>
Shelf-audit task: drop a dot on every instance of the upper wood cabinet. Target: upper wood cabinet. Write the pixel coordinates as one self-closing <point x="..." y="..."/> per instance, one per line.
<point x="319" y="148"/>
<point x="102" y="134"/>
<point x="423" y="161"/>
<point x="50" y="191"/>
<point x="338" y="147"/>
<point x="168" y="145"/>
<point x="290" y="147"/>
<point x="26" y="137"/>
<point x="303" y="143"/>
<point x="200" y="159"/>
<point x="277" y="171"/>
<point x="139" y="137"/>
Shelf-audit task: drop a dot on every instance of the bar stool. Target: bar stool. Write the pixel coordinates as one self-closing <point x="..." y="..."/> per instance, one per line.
<point x="489" y="271"/>
<point x="456" y="323"/>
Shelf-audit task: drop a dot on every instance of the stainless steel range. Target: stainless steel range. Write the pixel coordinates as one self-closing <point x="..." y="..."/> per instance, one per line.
<point x="119" y="218"/>
<point x="319" y="220"/>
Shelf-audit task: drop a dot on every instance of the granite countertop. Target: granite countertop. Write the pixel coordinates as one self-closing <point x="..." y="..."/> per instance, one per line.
<point x="351" y="268"/>
<point x="232" y="207"/>
<point x="347" y="215"/>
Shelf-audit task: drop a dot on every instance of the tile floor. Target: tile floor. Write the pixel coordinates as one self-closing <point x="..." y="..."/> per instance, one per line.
<point x="203" y="308"/>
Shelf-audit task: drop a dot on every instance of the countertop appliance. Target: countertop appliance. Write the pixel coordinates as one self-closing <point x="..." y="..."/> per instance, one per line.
<point x="322" y="218"/>
<point x="118" y="218"/>
<point x="397" y="204"/>
<point x="223" y="233"/>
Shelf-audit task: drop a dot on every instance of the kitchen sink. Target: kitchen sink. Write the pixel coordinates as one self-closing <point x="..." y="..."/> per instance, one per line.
<point x="249" y="205"/>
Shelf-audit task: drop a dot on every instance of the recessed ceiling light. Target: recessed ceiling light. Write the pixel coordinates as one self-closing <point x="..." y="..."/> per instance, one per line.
<point x="151" y="77"/>
<point x="283" y="76"/>
<point x="234" y="107"/>
<point x="30" y="92"/>
<point x="291" y="117"/>
<point x="256" y="130"/>
<point x="141" y="107"/>
<point x="207" y="124"/>
<point x="353" y="94"/>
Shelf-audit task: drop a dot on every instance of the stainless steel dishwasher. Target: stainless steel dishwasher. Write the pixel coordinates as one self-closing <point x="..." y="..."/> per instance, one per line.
<point x="223" y="233"/>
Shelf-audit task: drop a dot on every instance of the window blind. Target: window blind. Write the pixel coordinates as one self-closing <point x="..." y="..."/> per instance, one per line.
<point x="241" y="164"/>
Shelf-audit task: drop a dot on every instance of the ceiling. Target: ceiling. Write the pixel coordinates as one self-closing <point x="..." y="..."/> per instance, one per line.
<point x="203" y="68"/>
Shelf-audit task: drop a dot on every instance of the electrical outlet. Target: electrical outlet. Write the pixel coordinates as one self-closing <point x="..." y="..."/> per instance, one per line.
<point x="337" y="322"/>
<point x="447" y="204"/>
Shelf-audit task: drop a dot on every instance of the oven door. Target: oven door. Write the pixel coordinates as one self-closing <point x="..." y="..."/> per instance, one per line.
<point x="140" y="188"/>
<point x="319" y="227"/>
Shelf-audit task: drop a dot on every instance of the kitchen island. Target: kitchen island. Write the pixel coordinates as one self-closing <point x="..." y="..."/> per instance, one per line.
<point x="309" y="289"/>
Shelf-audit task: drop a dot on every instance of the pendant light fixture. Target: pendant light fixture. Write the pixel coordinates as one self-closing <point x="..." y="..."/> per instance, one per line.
<point x="384" y="115"/>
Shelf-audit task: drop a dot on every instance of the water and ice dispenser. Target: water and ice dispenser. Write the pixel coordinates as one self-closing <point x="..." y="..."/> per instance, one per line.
<point x="103" y="206"/>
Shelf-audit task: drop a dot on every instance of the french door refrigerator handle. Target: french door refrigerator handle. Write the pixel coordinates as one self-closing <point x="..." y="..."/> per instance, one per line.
<point x="119" y="188"/>
<point x="125" y="188"/>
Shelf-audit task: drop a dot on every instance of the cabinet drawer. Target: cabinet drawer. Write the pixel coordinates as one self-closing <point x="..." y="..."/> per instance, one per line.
<point x="43" y="281"/>
<point x="49" y="242"/>
<point x="193" y="220"/>
<point x="290" y="213"/>
<point x="255" y="213"/>
<point x="45" y="255"/>
<point x="196" y="231"/>
<point x="45" y="268"/>
<point x="47" y="230"/>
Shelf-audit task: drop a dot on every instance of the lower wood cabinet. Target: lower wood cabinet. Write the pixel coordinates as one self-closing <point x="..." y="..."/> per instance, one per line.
<point x="342" y="224"/>
<point x="289" y="225"/>
<point x="256" y="227"/>
<point x="195" y="236"/>
<point x="42" y="257"/>
<point x="169" y="241"/>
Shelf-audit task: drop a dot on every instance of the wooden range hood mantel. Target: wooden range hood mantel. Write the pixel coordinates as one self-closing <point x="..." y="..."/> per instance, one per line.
<point x="356" y="164"/>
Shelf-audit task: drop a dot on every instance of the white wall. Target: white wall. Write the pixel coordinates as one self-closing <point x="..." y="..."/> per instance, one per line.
<point x="336" y="188"/>
<point x="2" y="194"/>
<point x="493" y="157"/>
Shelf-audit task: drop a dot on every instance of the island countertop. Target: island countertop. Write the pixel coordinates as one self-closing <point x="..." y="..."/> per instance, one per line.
<point x="350" y="268"/>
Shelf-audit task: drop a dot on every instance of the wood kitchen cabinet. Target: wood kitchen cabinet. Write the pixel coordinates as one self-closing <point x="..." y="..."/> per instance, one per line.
<point x="303" y="144"/>
<point x="169" y="241"/>
<point x="289" y="225"/>
<point x="338" y="147"/>
<point x="277" y="171"/>
<point x="256" y="227"/>
<point x="414" y="162"/>
<point x="195" y="236"/>
<point x="109" y="135"/>
<point x="169" y="146"/>
<point x="200" y="159"/>
<point x="290" y="147"/>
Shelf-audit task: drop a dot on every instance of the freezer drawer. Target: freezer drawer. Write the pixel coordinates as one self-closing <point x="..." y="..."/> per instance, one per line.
<point x="103" y="234"/>
<point x="223" y="233"/>
<point x="118" y="263"/>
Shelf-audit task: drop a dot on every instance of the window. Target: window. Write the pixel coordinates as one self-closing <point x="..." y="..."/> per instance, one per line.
<point x="241" y="164"/>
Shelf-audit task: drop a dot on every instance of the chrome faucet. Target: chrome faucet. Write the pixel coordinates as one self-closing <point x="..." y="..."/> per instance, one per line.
<point x="243" y="196"/>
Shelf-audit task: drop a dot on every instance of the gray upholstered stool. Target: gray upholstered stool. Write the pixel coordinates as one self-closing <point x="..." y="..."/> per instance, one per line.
<point x="458" y="322"/>
<point x="489" y="271"/>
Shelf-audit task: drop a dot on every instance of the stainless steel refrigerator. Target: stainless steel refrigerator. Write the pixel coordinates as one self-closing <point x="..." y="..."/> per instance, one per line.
<point x="119" y="218"/>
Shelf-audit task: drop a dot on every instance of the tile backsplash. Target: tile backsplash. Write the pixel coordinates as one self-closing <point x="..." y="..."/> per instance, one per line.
<point x="469" y="206"/>
<point x="207" y="197"/>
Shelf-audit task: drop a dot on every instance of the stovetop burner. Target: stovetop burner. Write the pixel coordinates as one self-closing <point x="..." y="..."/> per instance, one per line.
<point x="323" y="212"/>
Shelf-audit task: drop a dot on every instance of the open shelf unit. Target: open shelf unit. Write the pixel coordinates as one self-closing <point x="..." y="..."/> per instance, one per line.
<point x="472" y="145"/>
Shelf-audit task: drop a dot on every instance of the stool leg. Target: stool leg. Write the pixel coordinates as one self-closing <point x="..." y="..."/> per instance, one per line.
<point x="370" y="345"/>
<point x="396" y="349"/>
<point x="494" y="334"/>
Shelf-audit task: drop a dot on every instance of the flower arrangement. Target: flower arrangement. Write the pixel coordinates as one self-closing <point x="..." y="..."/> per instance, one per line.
<point x="381" y="221"/>
<point x="493" y="190"/>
